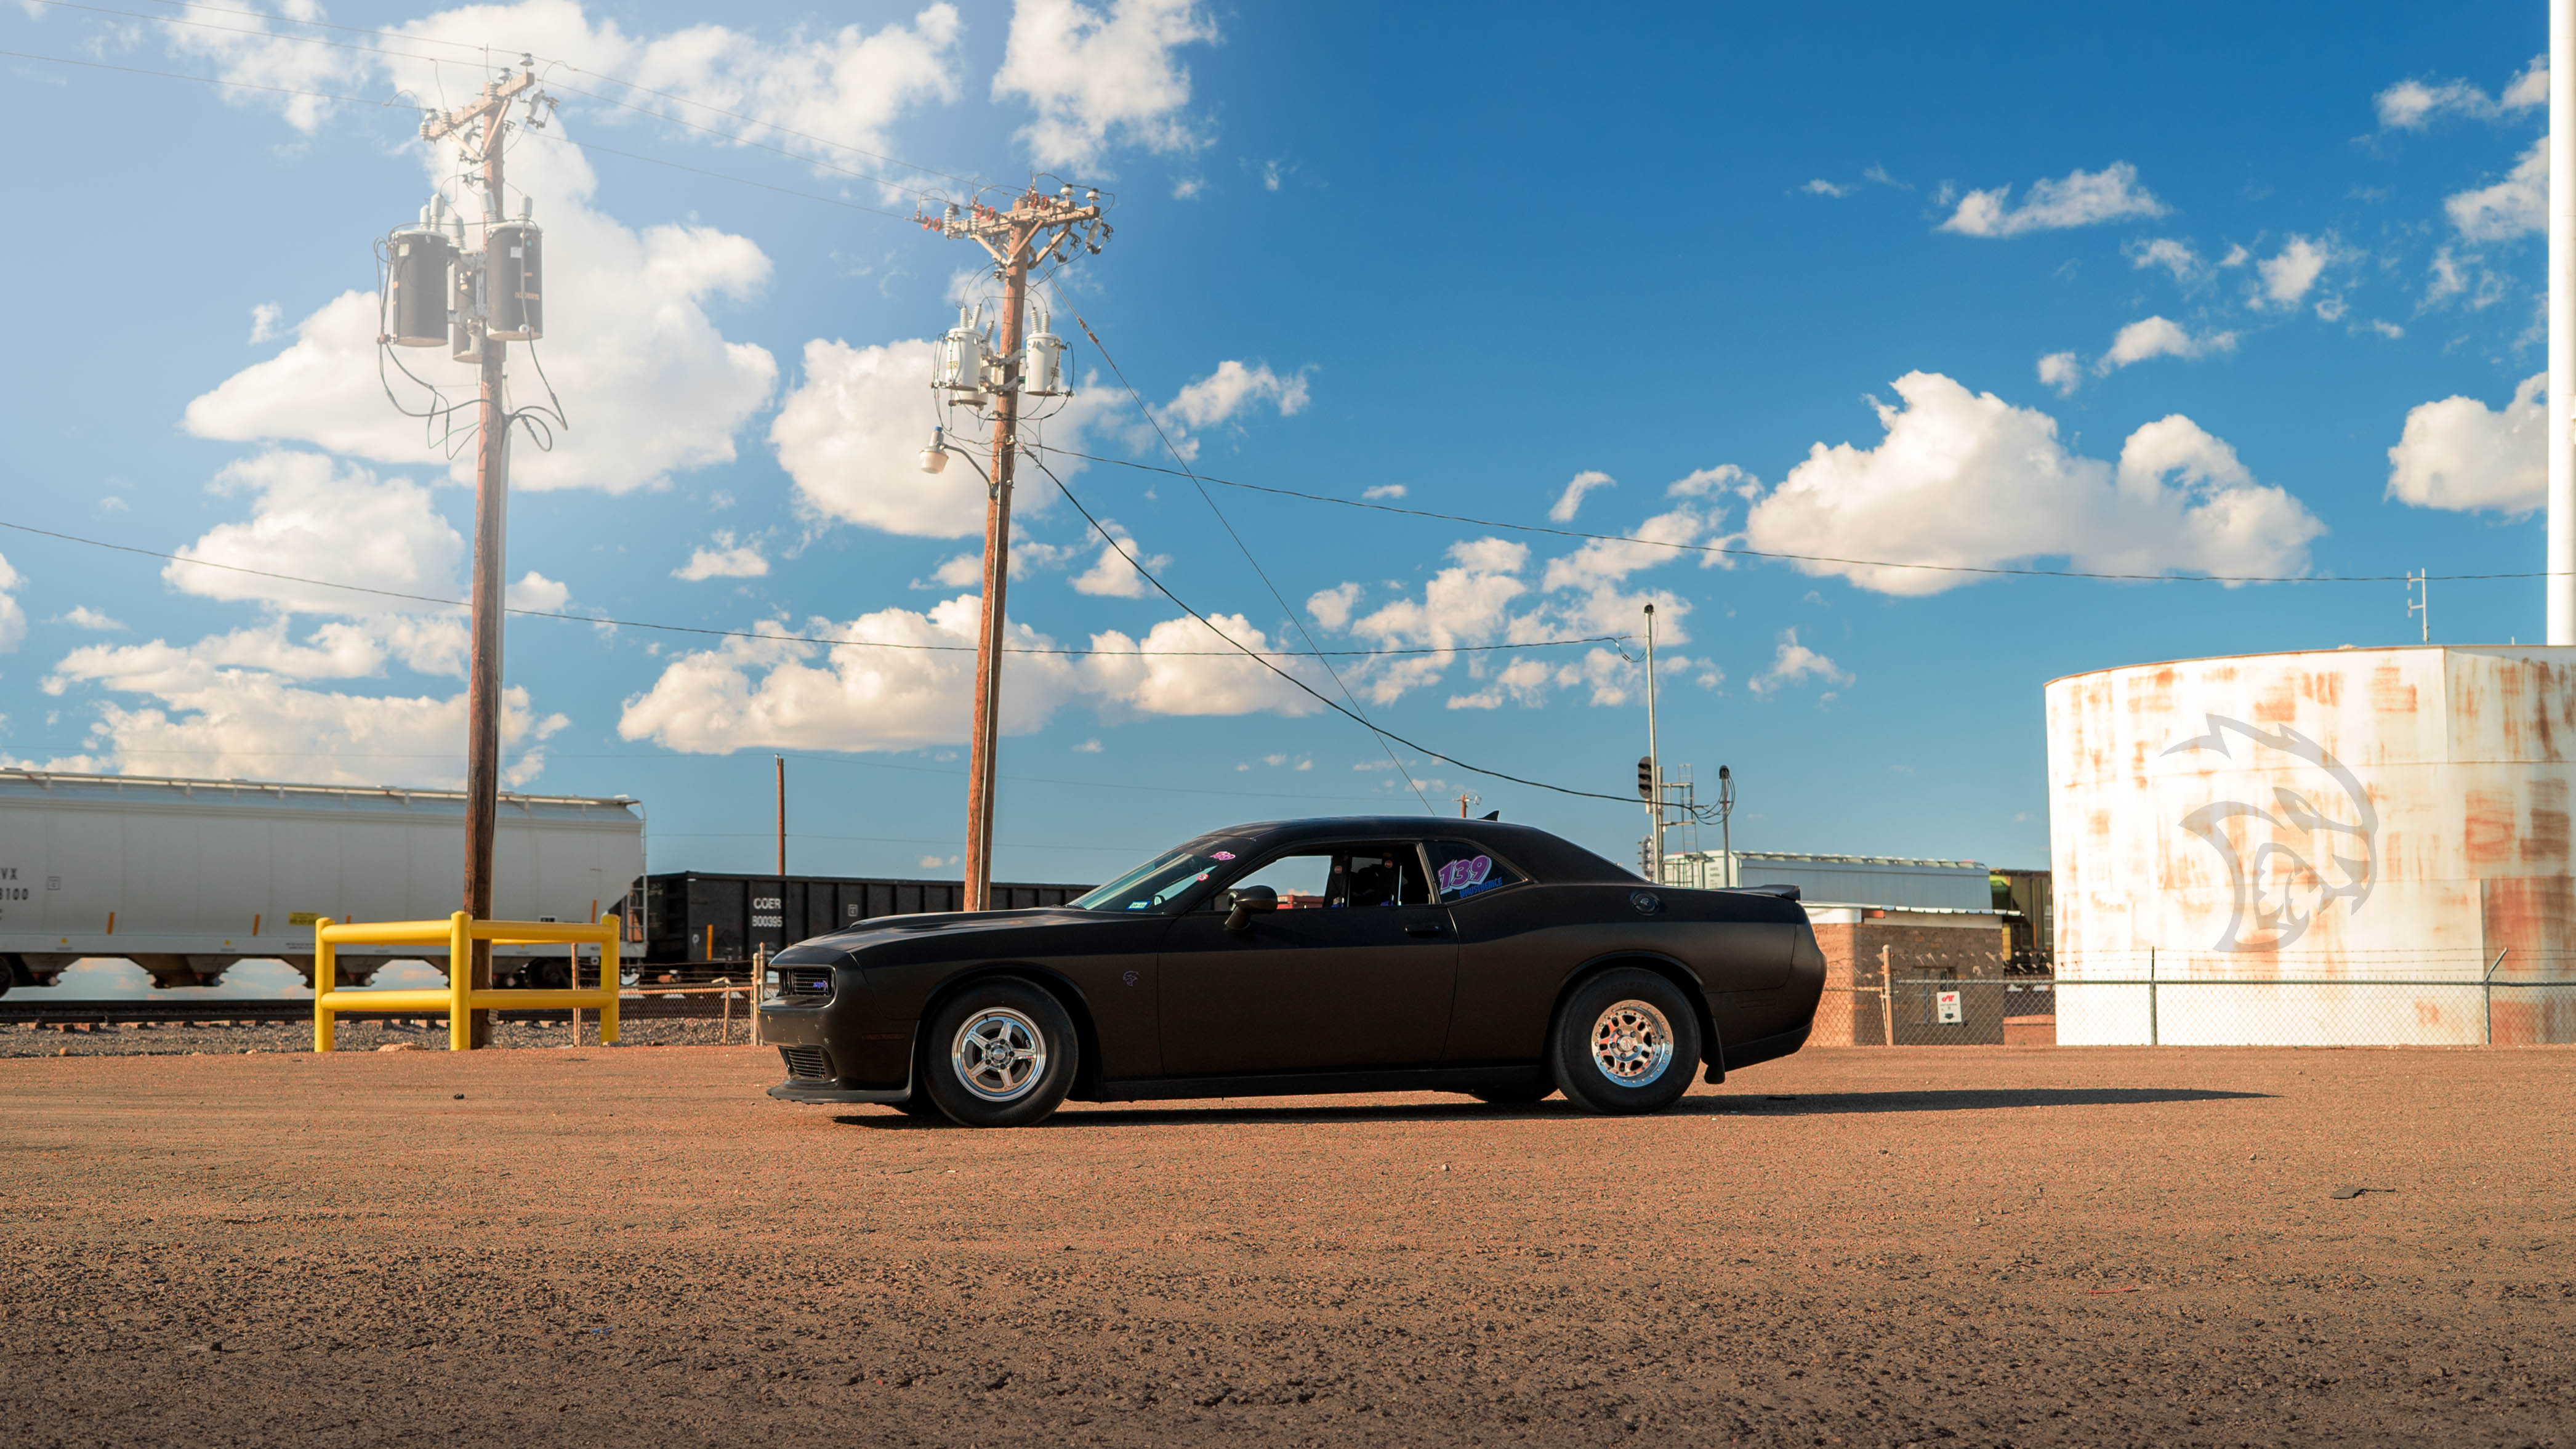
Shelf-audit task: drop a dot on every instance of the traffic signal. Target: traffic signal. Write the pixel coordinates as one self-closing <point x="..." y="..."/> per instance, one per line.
<point x="1646" y="777"/>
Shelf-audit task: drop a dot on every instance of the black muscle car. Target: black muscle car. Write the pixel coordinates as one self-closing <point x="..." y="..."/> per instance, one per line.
<point x="1397" y="954"/>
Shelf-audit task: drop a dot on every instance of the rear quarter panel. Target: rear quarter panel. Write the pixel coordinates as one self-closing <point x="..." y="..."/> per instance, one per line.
<point x="1518" y="948"/>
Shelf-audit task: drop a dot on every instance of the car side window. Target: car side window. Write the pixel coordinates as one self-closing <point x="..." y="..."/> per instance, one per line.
<point x="1382" y="875"/>
<point x="1463" y="869"/>
<point x="1303" y="881"/>
<point x="1347" y="877"/>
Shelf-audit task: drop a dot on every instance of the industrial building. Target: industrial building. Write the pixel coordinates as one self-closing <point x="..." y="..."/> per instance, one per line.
<point x="1882" y="917"/>
<point x="2332" y="847"/>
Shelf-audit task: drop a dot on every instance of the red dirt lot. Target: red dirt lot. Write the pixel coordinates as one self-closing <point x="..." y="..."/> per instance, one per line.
<point x="1855" y="1246"/>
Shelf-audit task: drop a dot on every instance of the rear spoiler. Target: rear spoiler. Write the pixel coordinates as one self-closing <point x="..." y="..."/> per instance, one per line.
<point x="1784" y="892"/>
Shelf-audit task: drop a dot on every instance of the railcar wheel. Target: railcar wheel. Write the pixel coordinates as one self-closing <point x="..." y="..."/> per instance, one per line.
<point x="1002" y="1054"/>
<point x="1626" y="1042"/>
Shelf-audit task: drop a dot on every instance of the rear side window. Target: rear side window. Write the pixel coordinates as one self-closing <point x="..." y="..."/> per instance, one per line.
<point x="1460" y="869"/>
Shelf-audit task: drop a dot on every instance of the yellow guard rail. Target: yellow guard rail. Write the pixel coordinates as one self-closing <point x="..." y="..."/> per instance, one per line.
<point x="458" y="933"/>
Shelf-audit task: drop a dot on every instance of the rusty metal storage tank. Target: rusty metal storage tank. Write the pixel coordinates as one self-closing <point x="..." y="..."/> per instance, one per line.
<point x="2344" y="846"/>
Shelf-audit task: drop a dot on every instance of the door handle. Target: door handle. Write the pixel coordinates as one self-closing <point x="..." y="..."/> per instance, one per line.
<point x="1422" y="930"/>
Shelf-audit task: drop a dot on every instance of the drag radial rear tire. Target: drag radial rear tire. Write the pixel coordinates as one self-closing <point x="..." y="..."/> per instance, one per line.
<point x="1001" y="1053"/>
<point x="1627" y="1041"/>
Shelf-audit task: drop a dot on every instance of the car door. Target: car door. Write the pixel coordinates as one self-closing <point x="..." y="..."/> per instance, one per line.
<point x="1354" y="970"/>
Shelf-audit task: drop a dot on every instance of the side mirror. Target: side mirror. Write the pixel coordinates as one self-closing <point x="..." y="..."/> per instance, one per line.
<point x="1247" y="900"/>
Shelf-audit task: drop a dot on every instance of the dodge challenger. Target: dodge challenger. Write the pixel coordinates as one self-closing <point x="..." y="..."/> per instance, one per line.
<point x="1340" y="955"/>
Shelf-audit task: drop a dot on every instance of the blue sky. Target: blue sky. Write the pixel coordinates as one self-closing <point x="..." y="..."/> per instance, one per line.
<point x="2202" y="290"/>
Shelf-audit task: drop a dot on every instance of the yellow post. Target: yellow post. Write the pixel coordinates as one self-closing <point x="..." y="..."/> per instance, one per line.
<point x="326" y="974"/>
<point x="460" y="982"/>
<point x="608" y="978"/>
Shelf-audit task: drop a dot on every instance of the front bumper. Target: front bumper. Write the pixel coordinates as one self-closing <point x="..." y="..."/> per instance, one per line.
<point x="839" y="1050"/>
<point x="801" y="1089"/>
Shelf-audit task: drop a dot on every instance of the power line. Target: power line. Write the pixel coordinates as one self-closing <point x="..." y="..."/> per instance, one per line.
<point x="207" y="80"/>
<point x="1256" y="657"/>
<point x="1735" y="552"/>
<point x="1258" y="571"/>
<point x="782" y="638"/>
<point x="553" y="61"/>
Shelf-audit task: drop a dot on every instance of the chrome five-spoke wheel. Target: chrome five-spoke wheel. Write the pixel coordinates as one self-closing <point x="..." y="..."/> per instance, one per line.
<point x="999" y="1055"/>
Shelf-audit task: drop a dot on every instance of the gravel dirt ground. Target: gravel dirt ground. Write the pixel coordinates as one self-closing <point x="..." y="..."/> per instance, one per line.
<point x="1911" y="1245"/>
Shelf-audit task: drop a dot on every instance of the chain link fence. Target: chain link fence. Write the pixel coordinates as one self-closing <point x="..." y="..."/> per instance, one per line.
<point x="2157" y="998"/>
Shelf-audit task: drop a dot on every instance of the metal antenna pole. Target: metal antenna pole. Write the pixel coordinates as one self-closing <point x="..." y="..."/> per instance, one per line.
<point x="1654" y="753"/>
<point x="1726" y="822"/>
<point x="781" y="761"/>
<point x="491" y="514"/>
<point x="2419" y="600"/>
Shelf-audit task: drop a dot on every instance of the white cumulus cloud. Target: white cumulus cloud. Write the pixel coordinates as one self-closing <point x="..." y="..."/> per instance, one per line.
<point x="2461" y="454"/>
<point x="2061" y="371"/>
<point x="2288" y="274"/>
<point x="2080" y="198"/>
<point x="851" y="434"/>
<point x="722" y="558"/>
<point x="1967" y="480"/>
<point x="2159" y="337"/>
<point x="1096" y="76"/>
<point x="2516" y="206"/>
<point x="1563" y="510"/>
<point x="13" y="616"/>
<point x="1111" y="575"/>
<point x="1792" y="664"/>
<point x="2411" y="105"/>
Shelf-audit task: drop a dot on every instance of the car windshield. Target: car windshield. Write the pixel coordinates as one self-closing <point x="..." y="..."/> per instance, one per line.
<point x="1154" y="885"/>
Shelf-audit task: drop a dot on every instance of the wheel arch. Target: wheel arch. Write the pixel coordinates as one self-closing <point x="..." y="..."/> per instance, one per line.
<point x="1672" y="969"/>
<point x="1086" y="1034"/>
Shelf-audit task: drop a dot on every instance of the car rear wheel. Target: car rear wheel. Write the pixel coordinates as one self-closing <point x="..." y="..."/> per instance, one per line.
<point x="1001" y="1054"/>
<point x="1627" y="1041"/>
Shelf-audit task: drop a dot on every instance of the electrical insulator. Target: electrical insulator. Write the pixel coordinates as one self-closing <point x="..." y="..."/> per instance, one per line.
<point x="963" y="359"/>
<point x="512" y="277"/>
<point x="416" y="292"/>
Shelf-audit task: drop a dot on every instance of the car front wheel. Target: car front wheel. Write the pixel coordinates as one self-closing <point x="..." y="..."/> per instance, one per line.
<point x="1001" y="1054"/>
<point x="1626" y="1042"/>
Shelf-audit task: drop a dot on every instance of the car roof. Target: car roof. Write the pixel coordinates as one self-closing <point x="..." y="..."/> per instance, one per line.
<point x="1544" y="856"/>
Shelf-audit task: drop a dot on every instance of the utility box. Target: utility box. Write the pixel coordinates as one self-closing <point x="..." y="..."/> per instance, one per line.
<point x="186" y="877"/>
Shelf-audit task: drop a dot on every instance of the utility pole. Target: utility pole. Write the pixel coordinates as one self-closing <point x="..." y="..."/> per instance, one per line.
<point x="781" y="761"/>
<point x="1655" y="762"/>
<point x="2419" y="600"/>
<point x="491" y="509"/>
<point x="1036" y="228"/>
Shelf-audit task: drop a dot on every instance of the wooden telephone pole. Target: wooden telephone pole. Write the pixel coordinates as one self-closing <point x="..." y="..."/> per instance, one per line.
<point x="491" y="508"/>
<point x="1036" y="228"/>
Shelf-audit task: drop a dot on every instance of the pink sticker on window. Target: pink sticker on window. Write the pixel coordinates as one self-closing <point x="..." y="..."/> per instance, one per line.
<point x="1457" y="875"/>
<point x="1222" y="855"/>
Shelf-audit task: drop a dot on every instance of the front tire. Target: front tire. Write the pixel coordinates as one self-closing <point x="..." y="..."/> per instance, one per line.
<point x="1626" y="1042"/>
<point x="1001" y="1054"/>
